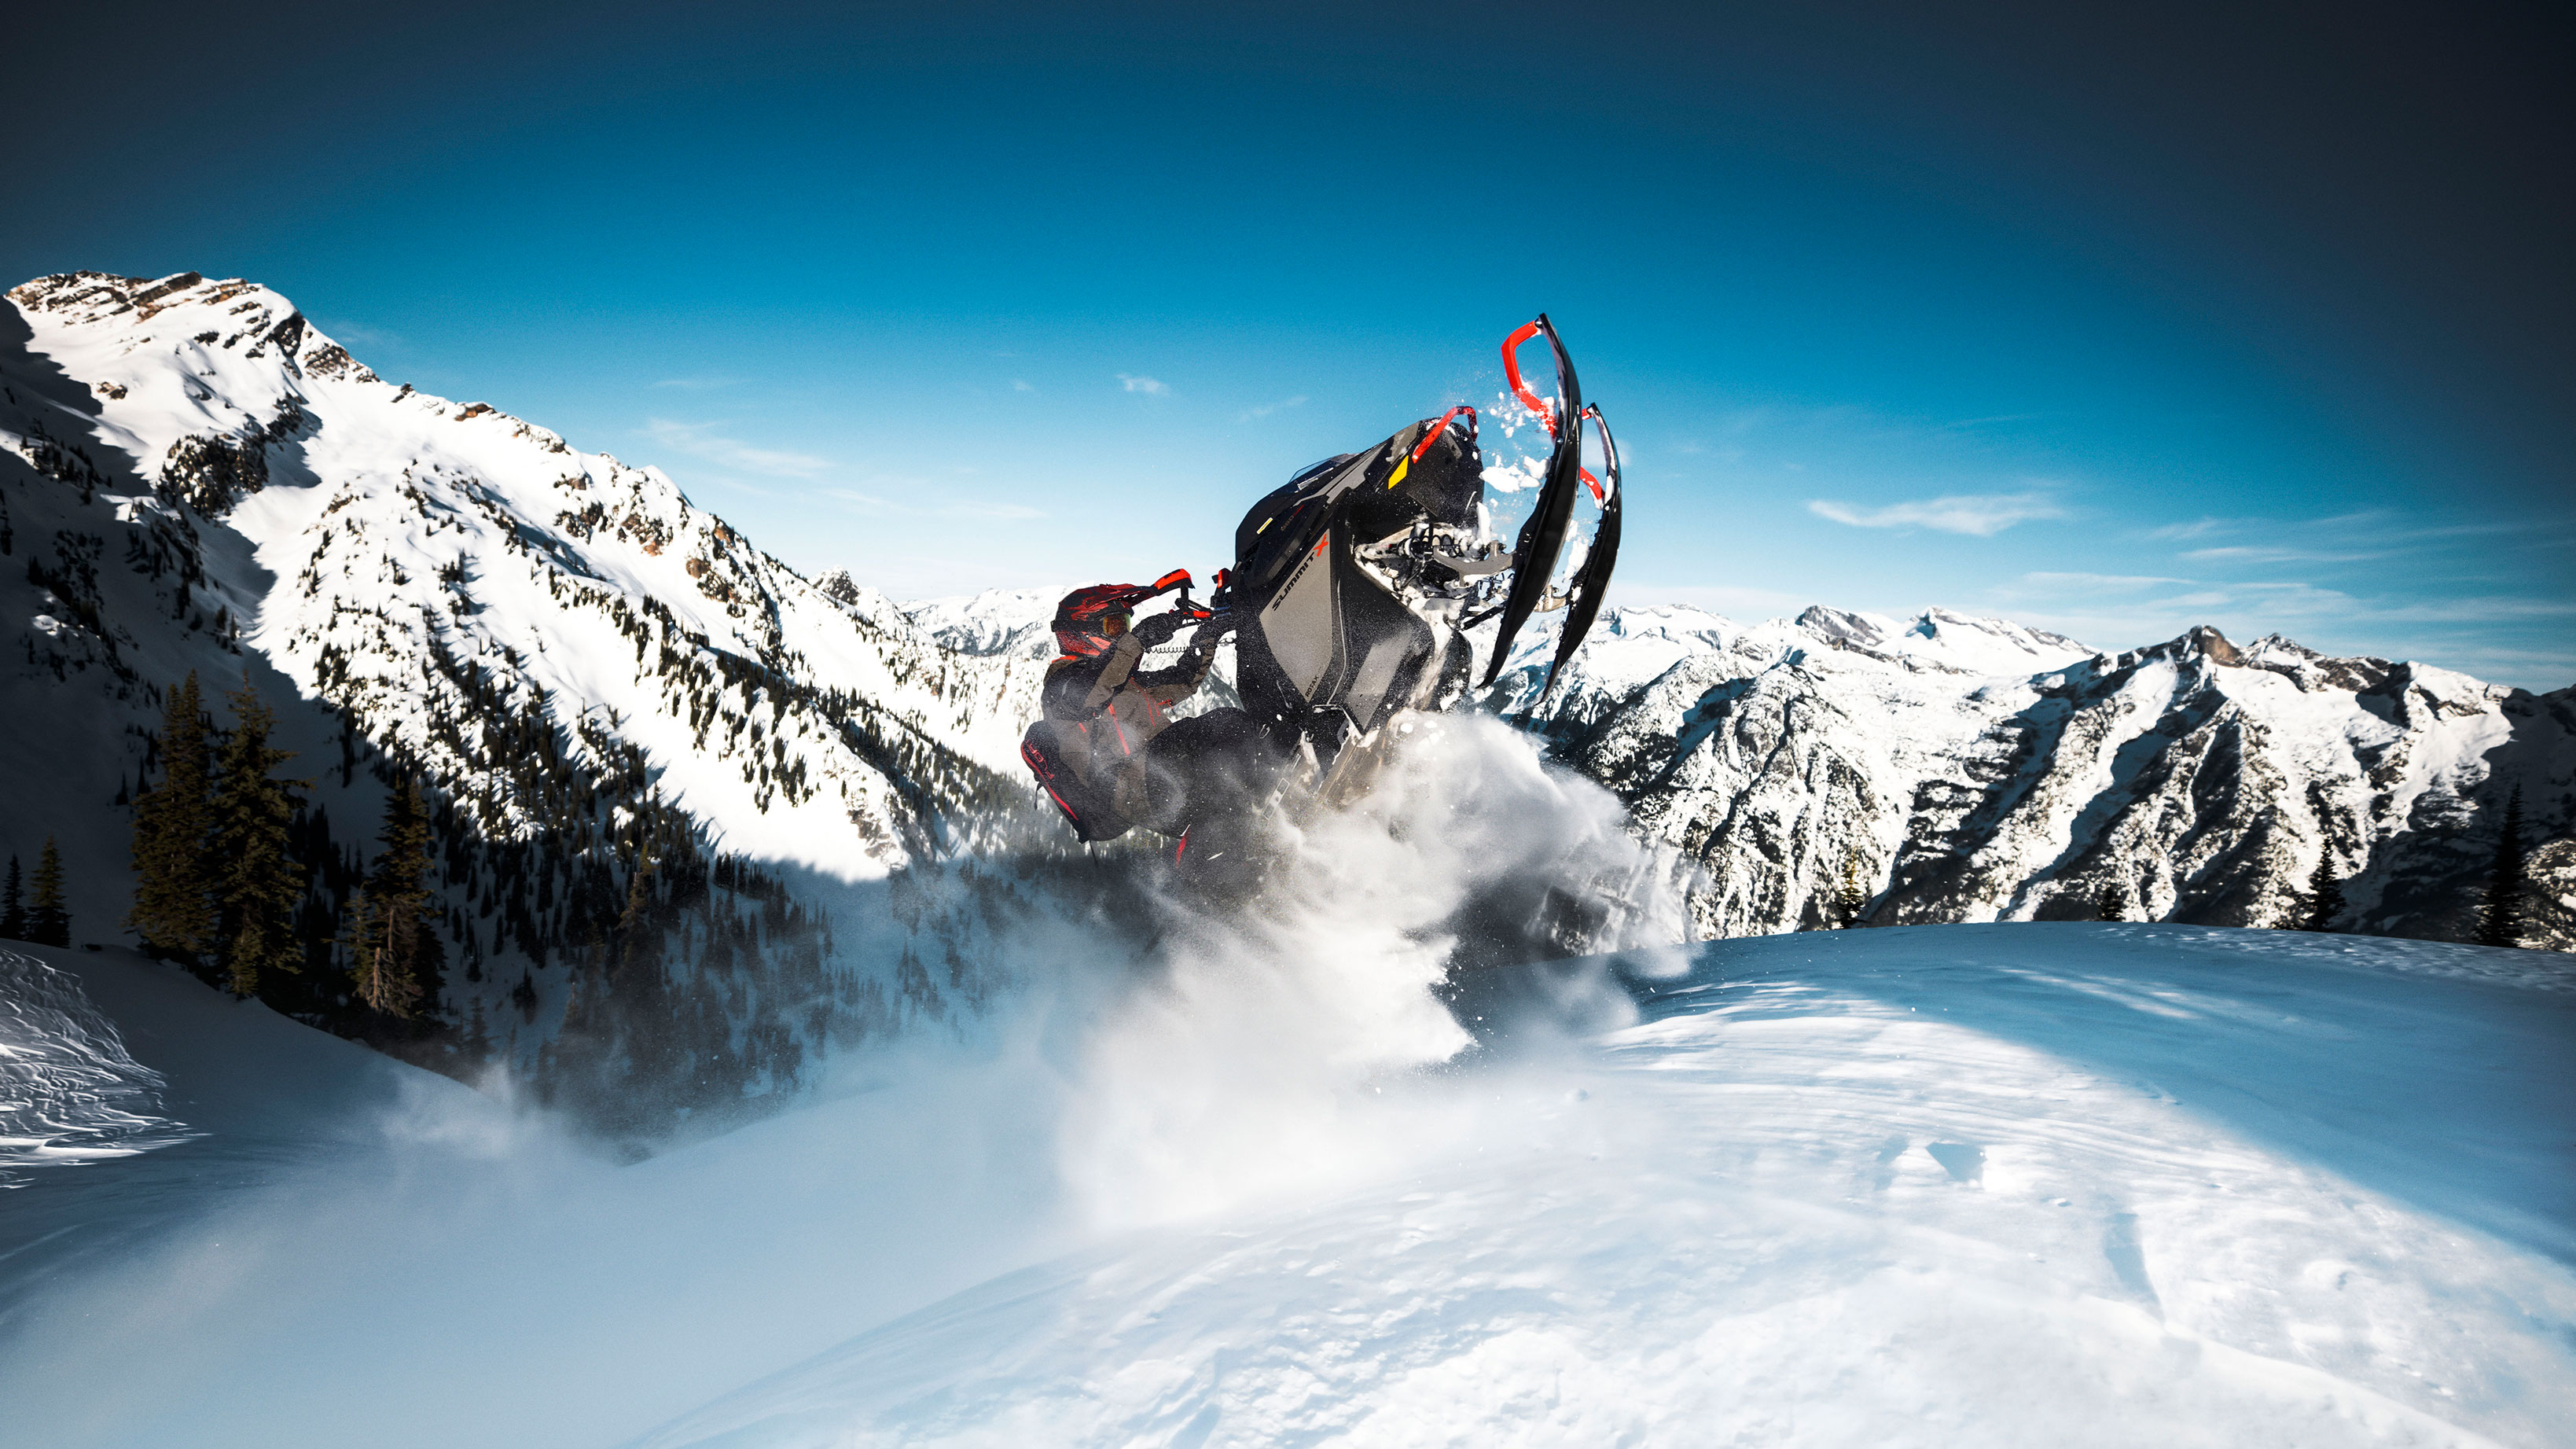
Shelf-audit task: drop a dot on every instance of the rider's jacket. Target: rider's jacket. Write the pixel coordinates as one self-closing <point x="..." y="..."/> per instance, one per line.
<point x="1112" y="708"/>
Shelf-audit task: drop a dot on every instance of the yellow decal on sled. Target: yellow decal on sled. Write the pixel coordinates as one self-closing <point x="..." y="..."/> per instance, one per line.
<point x="1402" y="466"/>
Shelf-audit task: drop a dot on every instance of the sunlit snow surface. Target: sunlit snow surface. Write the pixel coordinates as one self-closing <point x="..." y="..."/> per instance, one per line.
<point x="1952" y="1185"/>
<point x="2038" y="1184"/>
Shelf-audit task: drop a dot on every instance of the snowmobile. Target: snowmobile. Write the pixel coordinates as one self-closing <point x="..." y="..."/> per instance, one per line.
<point x="1354" y="587"/>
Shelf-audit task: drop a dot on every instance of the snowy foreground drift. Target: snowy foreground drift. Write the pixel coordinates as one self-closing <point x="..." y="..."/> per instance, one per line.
<point x="2022" y="1184"/>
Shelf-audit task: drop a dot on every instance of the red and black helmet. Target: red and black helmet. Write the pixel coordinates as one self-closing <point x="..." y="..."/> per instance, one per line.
<point x="1082" y="617"/>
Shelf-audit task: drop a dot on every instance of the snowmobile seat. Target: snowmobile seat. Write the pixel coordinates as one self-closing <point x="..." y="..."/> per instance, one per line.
<point x="1209" y="767"/>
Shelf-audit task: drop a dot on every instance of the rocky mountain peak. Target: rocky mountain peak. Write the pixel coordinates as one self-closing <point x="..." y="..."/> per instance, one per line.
<point x="2206" y="640"/>
<point x="1843" y="625"/>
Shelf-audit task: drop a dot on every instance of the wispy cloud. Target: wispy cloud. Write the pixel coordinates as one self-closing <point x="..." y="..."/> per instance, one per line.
<point x="2295" y="598"/>
<point x="2479" y="610"/>
<point x="2342" y="537"/>
<point x="1134" y="383"/>
<point x="1021" y="384"/>
<point x="865" y="502"/>
<point x="1739" y="602"/>
<point x="700" y="440"/>
<point x="1980" y="514"/>
<point x="2266" y="554"/>
<point x="979" y="509"/>
<point x="2197" y="528"/>
<point x="2066" y="583"/>
<point x="1266" y="409"/>
<point x="359" y="334"/>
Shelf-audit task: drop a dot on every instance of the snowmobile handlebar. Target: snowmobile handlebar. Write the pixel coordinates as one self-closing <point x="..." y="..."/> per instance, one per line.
<point x="1538" y="406"/>
<point x="1189" y="612"/>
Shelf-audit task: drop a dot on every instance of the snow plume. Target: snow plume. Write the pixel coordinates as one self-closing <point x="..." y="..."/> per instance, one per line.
<point x="1273" y="1048"/>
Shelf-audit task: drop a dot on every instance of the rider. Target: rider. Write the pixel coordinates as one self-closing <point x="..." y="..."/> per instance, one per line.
<point x="1096" y="682"/>
<point x="1124" y="745"/>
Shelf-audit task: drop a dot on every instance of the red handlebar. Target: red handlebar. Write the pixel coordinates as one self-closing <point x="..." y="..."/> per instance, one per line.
<point x="1442" y="426"/>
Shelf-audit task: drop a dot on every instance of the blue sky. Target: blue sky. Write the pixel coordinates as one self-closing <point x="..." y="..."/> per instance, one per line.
<point x="2224" y="317"/>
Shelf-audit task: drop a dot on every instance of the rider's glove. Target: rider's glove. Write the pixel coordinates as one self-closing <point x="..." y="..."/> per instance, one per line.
<point x="1157" y="630"/>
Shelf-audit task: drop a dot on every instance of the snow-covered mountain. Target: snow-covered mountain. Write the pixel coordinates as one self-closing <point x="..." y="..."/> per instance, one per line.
<point x="997" y="623"/>
<point x="399" y="552"/>
<point x="1949" y="767"/>
<point x="1959" y="769"/>
<point x="627" y="715"/>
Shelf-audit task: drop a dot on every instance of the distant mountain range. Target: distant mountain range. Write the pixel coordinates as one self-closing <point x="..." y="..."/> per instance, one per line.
<point x="1955" y="768"/>
<point x="679" y="788"/>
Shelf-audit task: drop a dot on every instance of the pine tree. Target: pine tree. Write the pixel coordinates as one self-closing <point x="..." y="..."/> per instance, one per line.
<point x="2115" y="904"/>
<point x="2500" y="914"/>
<point x="13" y="907"/>
<point x="1850" y="901"/>
<point x="173" y="896"/>
<point x="49" y="921"/>
<point x="2324" y="899"/>
<point x="260" y="884"/>
<point x="388" y="924"/>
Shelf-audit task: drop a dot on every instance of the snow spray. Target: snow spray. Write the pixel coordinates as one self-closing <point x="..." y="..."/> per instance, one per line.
<point x="1283" y="1046"/>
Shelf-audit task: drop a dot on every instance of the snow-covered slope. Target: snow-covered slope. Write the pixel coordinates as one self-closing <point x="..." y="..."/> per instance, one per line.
<point x="2119" y="1185"/>
<point x="1954" y="1187"/>
<point x="195" y="1100"/>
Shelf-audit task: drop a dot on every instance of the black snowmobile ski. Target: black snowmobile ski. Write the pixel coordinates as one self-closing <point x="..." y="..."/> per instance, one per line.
<point x="1591" y="578"/>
